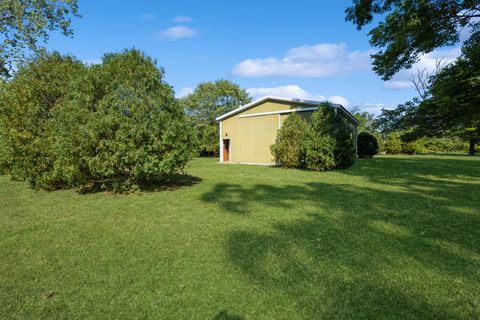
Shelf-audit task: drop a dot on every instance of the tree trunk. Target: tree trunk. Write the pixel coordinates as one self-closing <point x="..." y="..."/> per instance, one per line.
<point x="471" y="151"/>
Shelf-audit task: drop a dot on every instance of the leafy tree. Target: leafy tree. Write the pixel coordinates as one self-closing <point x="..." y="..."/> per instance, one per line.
<point x="327" y="121"/>
<point x="122" y="126"/>
<point x="402" y="118"/>
<point x="365" y="119"/>
<point x="287" y="150"/>
<point x="393" y="145"/>
<point x="24" y="25"/>
<point x="451" y="108"/>
<point x="27" y="107"/>
<point x="455" y="93"/>
<point x="208" y="101"/>
<point x="411" y="28"/>
<point x="367" y="145"/>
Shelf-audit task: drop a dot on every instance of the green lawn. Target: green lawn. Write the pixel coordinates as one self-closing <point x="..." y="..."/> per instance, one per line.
<point x="391" y="238"/>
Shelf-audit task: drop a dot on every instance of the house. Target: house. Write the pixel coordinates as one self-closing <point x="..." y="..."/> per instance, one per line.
<point x="247" y="132"/>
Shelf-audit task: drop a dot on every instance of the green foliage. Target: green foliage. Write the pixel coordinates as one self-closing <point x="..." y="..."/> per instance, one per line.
<point x="393" y="145"/>
<point x="319" y="151"/>
<point x="402" y="118"/>
<point x="394" y="237"/>
<point x="381" y="142"/>
<point x="411" y="28"/>
<point x="455" y="92"/>
<point x="208" y="101"/>
<point x="367" y="145"/>
<point x="116" y="125"/>
<point x="287" y="150"/>
<point x="326" y="142"/>
<point x="124" y="124"/>
<point x="412" y="147"/>
<point x="27" y="107"/>
<point x="442" y="144"/>
<point x="365" y="119"/>
<point x="329" y="121"/>
<point x="23" y="24"/>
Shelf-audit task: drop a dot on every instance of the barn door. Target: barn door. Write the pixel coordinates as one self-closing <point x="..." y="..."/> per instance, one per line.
<point x="226" y="150"/>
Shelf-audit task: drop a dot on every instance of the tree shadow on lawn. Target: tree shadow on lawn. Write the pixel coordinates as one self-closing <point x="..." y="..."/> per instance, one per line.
<point x="170" y="183"/>
<point x="224" y="315"/>
<point x="373" y="251"/>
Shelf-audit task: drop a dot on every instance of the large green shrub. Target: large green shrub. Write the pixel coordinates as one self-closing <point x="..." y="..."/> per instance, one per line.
<point x="393" y="145"/>
<point x="318" y="151"/>
<point x="412" y="147"/>
<point x="326" y="142"/>
<point x="28" y="104"/>
<point x="287" y="150"/>
<point x="115" y="125"/>
<point x="328" y="121"/>
<point x="367" y="145"/>
<point x="122" y="127"/>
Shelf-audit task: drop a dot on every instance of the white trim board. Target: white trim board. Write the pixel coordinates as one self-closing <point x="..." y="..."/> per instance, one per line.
<point x="257" y="163"/>
<point x="277" y="112"/>
<point x="221" y="142"/>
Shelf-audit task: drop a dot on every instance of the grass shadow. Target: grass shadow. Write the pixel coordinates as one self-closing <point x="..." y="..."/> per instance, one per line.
<point x="402" y="243"/>
<point x="170" y="183"/>
<point x="224" y="315"/>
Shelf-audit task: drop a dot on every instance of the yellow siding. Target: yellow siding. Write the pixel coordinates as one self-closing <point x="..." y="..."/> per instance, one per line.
<point x="270" y="106"/>
<point x="229" y="131"/>
<point x="251" y="137"/>
<point x="255" y="136"/>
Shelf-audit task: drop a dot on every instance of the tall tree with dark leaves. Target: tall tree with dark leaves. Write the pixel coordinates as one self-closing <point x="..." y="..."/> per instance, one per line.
<point x="25" y="27"/>
<point x="455" y="95"/>
<point x="410" y="28"/>
<point x="208" y="101"/>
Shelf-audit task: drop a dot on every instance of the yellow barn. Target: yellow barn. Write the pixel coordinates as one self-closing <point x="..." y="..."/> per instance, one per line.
<point x="247" y="132"/>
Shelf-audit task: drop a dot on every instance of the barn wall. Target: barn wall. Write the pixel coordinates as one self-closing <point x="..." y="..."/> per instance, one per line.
<point x="251" y="137"/>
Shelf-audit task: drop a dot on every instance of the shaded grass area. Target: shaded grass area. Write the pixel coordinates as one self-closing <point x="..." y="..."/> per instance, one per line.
<point x="392" y="238"/>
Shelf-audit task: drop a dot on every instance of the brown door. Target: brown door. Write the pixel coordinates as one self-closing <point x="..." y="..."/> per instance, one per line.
<point x="226" y="150"/>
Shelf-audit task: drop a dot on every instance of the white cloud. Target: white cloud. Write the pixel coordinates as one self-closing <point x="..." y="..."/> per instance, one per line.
<point x="177" y="32"/>
<point x="340" y="100"/>
<point x="294" y="91"/>
<point x="320" y="60"/>
<point x="402" y="80"/>
<point x="182" y="19"/>
<point x="376" y="108"/>
<point x="184" y="92"/>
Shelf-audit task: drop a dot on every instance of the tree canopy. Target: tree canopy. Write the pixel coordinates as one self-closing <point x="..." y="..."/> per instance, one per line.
<point x="455" y="95"/>
<point x="411" y="28"/>
<point x="208" y="101"/>
<point x="25" y="24"/>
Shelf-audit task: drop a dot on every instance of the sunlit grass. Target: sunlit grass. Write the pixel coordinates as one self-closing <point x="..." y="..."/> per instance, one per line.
<point x="391" y="238"/>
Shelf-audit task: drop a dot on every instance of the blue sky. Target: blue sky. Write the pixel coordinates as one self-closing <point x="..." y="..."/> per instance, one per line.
<point x="301" y="49"/>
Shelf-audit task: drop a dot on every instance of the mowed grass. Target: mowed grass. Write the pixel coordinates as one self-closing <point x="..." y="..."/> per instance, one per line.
<point x="390" y="238"/>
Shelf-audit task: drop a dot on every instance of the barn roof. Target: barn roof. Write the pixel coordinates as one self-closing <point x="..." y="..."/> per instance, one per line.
<point x="310" y="103"/>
